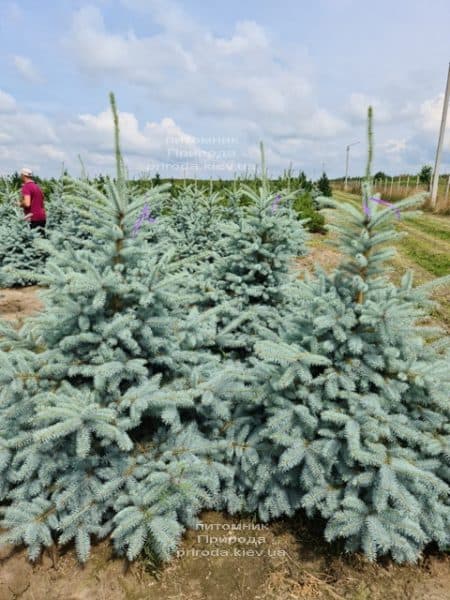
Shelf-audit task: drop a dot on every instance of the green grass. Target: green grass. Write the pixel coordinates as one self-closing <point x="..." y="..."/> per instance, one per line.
<point x="436" y="263"/>
<point x="431" y="228"/>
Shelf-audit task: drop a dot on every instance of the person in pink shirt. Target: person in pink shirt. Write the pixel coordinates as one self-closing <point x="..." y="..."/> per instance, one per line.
<point x="32" y="201"/>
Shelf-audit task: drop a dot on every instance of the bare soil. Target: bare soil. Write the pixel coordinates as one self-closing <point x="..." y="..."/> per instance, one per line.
<point x="18" y="303"/>
<point x="294" y="563"/>
<point x="318" y="256"/>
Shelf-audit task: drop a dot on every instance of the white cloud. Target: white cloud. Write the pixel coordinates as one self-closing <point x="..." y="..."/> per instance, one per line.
<point x="31" y="138"/>
<point x="165" y="13"/>
<point x="26" y="137"/>
<point x="27" y="128"/>
<point x="248" y="36"/>
<point x="429" y="120"/>
<point x="26" y="69"/>
<point x="96" y="131"/>
<point x="394" y="146"/>
<point x="247" y="84"/>
<point x="431" y="113"/>
<point x="52" y="152"/>
<point x="359" y="103"/>
<point x="245" y="79"/>
<point x="34" y="139"/>
<point x="137" y="60"/>
<point x="405" y="130"/>
<point x="7" y="103"/>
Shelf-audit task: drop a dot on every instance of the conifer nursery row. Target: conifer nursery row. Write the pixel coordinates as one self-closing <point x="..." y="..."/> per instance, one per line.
<point x="184" y="365"/>
<point x="17" y="241"/>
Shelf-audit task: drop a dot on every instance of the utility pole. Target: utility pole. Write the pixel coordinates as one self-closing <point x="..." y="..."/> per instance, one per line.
<point x="346" y="163"/>
<point x="434" y="188"/>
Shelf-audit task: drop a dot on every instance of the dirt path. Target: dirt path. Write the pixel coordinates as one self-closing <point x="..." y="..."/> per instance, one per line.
<point x="293" y="562"/>
<point x="19" y="303"/>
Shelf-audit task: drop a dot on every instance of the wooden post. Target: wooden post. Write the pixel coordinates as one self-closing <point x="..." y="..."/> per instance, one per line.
<point x="347" y="150"/>
<point x="417" y="183"/>
<point x="392" y="185"/>
<point x="407" y="185"/>
<point x="446" y="193"/>
<point x="435" y="182"/>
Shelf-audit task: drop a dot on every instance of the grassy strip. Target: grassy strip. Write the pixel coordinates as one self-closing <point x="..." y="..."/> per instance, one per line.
<point x="441" y="312"/>
<point x="437" y="263"/>
<point x="427" y="227"/>
<point x="346" y="197"/>
<point x="441" y="220"/>
<point x="428" y="242"/>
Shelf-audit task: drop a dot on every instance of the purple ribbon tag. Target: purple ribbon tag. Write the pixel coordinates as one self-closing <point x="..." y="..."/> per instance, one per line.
<point x="144" y="216"/>
<point x="380" y="201"/>
<point x="275" y="203"/>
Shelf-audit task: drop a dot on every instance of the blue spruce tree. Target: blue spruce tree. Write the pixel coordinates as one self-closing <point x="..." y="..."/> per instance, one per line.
<point x="65" y="224"/>
<point x="196" y="216"/>
<point x="99" y="427"/>
<point x="249" y="280"/>
<point x="19" y="256"/>
<point x="350" y="415"/>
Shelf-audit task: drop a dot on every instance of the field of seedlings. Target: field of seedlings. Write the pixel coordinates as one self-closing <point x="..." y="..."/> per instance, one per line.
<point x="236" y="391"/>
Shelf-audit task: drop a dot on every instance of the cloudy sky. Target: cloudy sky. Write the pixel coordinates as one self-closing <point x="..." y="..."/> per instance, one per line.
<point x="200" y="83"/>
